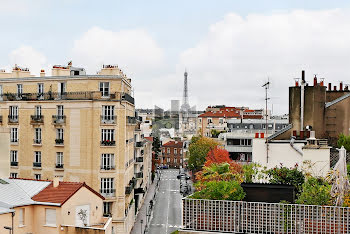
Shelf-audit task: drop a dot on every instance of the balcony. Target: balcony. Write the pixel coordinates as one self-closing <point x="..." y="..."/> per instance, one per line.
<point x="139" y="175"/>
<point x="128" y="189"/>
<point x="108" y="143"/>
<point x="0" y="119"/>
<point x="36" y="164"/>
<point x="13" y="119"/>
<point x="59" y="165"/>
<point x="14" y="164"/>
<point x="58" y="119"/>
<point x="14" y="141"/>
<point x="139" y="159"/>
<point x="128" y="98"/>
<point x="36" y="119"/>
<point x="130" y="120"/>
<point x="106" y="167"/>
<point x="108" y="119"/>
<point x="59" y="141"/>
<point x="37" y="141"/>
<point x="139" y="144"/>
<point x="107" y="192"/>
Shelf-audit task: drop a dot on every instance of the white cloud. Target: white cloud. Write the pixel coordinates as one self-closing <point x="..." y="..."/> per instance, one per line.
<point x="238" y="54"/>
<point x="134" y="51"/>
<point x="26" y="56"/>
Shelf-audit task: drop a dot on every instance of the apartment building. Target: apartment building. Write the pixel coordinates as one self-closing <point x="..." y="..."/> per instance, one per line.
<point x="74" y="126"/>
<point x="214" y="119"/>
<point x="172" y="154"/>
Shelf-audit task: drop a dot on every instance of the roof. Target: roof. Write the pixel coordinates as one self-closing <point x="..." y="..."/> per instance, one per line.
<point x="232" y="112"/>
<point x="328" y="104"/>
<point x="61" y="193"/>
<point x="149" y="138"/>
<point x="176" y="144"/>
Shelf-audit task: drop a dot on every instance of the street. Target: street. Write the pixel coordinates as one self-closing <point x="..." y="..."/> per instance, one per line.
<point x="167" y="210"/>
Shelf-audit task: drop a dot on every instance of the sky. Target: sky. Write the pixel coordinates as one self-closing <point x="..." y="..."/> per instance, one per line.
<point x="229" y="48"/>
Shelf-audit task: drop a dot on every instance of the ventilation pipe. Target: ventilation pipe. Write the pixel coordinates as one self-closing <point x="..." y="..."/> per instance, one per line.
<point x="292" y="141"/>
<point x="315" y="81"/>
<point x="302" y="100"/>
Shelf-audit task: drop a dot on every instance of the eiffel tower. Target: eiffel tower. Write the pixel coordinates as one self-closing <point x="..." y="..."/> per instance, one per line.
<point x="185" y="107"/>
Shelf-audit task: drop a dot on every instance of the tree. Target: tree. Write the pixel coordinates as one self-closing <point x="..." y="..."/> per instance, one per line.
<point x="156" y="146"/>
<point x="344" y="141"/>
<point x="218" y="156"/>
<point x="198" y="150"/>
<point x="315" y="191"/>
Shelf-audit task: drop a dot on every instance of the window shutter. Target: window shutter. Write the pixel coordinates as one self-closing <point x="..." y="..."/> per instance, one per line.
<point x="50" y="217"/>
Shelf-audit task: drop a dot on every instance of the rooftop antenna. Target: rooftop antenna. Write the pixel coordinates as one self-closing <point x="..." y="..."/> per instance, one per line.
<point x="267" y="86"/>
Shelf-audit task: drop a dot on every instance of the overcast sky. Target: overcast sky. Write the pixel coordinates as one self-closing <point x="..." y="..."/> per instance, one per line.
<point x="229" y="47"/>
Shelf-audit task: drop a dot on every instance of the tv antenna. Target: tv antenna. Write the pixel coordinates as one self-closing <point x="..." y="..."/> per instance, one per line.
<point x="267" y="86"/>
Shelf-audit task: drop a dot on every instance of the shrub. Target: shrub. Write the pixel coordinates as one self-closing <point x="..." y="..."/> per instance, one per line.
<point x="251" y="172"/>
<point x="288" y="176"/>
<point x="315" y="191"/>
<point x="344" y="141"/>
<point x="220" y="190"/>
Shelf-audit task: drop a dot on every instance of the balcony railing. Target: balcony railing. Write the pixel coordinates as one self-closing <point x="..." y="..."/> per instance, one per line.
<point x="127" y="97"/>
<point x="37" y="141"/>
<point x="139" y="159"/>
<point x="104" y="167"/>
<point x="108" y="192"/>
<point x="139" y="144"/>
<point x="37" y="118"/>
<point x="0" y="119"/>
<point x="13" y="118"/>
<point x="36" y="164"/>
<point x="108" y="143"/>
<point x="130" y="120"/>
<point x="59" y="165"/>
<point x="14" y="140"/>
<point x="128" y="189"/>
<point x="14" y="164"/>
<point x="59" y="119"/>
<point x="108" y="119"/>
<point x="59" y="141"/>
<point x="139" y="175"/>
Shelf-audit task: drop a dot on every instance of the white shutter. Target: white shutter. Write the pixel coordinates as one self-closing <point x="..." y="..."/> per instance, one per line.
<point x="50" y="217"/>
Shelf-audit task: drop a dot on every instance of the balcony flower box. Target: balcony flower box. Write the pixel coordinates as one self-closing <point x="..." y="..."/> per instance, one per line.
<point x="59" y="141"/>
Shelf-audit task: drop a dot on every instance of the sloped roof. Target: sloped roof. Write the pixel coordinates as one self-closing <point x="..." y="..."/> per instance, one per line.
<point x="149" y="138"/>
<point x="177" y="144"/>
<point x="61" y="193"/>
<point x="231" y="112"/>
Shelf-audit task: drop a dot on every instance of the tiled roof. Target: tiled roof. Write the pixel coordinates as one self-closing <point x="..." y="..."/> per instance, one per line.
<point x="177" y="144"/>
<point x="61" y="193"/>
<point x="231" y="112"/>
<point x="149" y="138"/>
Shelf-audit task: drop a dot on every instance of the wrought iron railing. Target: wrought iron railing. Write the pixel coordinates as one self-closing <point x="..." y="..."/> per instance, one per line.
<point x="109" y="167"/>
<point x="37" y="118"/>
<point x="13" y="118"/>
<point x="108" y="192"/>
<point x="36" y="164"/>
<point x="130" y="120"/>
<point x="59" y="165"/>
<point x="37" y="141"/>
<point x="108" y="119"/>
<point x="108" y="143"/>
<point x="139" y="144"/>
<point x="127" y="97"/>
<point x="59" y="141"/>
<point x="139" y="175"/>
<point x="14" y="164"/>
<point x="59" y="119"/>
<point x="139" y="159"/>
<point x="257" y="217"/>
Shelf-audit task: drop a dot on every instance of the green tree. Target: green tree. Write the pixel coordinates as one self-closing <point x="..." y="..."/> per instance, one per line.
<point x="289" y="176"/>
<point x="156" y="146"/>
<point x="198" y="150"/>
<point x="344" y="141"/>
<point x="315" y="191"/>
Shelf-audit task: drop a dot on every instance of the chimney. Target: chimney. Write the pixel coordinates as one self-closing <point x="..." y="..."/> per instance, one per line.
<point x="42" y="73"/>
<point x="335" y="88"/>
<point x="346" y="88"/>
<point x="341" y="86"/>
<point x="302" y="76"/>
<point x="296" y="82"/>
<point x="322" y="82"/>
<point x="56" y="182"/>
<point x="315" y="81"/>
<point x="329" y="86"/>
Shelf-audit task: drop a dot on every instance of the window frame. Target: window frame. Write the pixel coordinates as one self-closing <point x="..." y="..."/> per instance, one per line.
<point x="104" y="88"/>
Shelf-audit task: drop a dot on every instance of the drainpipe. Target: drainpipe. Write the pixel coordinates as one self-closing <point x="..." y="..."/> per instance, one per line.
<point x="295" y="147"/>
<point x="302" y="100"/>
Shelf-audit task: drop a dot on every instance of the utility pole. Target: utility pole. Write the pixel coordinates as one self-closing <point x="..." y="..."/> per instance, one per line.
<point x="266" y="85"/>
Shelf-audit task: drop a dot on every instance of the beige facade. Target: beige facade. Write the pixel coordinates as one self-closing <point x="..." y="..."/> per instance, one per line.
<point x="86" y="125"/>
<point x="4" y="152"/>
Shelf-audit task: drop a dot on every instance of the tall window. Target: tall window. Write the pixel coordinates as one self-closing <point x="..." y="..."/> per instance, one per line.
<point x="40" y="90"/>
<point x="108" y="113"/>
<point x="59" y="135"/>
<point x="180" y="151"/>
<point x="107" y="208"/>
<point x="107" y="186"/>
<point x="107" y="161"/>
<point x="61" y="89"/>
<point x="168" y="150"/>
<point x="14" y="156"/>
<point x="37" y="176"/>
<point x="37" y="157"/>
<point x="14" y="175"/>
<point x="104" y="89"/>
<point x="37" y="136"/>
<point x="14" y="135"/>
<point x="175" y="151"/>
<point x="19" y="90"/>
<point x="50" y="217"/>
<point x="37" y="111"/>
<point x="60" y="112"/>
<point x="1" y="93"/>
<point x="107" y="137"/>
<point x="21" y="217"/>
<point x="13" y="112"/>
<point x="59" y="159"/>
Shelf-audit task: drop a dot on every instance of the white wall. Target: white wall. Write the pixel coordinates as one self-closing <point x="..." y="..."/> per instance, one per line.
<point x="284" y="153"/>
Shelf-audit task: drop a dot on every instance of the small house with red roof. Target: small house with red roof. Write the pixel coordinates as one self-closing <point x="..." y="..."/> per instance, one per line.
<point x="172" y="154"/>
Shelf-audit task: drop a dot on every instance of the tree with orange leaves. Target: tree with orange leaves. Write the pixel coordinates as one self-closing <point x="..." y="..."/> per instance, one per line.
<point x="217" y="156"/>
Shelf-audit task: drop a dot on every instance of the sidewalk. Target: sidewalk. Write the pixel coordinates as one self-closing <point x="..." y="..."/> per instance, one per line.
<point x="152" y="190"/>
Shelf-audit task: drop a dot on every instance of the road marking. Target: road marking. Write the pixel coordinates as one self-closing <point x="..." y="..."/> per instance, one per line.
<point x="167" y="216"/>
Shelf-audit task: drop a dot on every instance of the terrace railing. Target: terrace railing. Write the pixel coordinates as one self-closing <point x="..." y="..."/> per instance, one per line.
<point x="258" y="217"/>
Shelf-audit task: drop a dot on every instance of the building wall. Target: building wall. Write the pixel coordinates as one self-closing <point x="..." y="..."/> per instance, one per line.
<point x="4" y="152"/>
<point x="172" y="156"/>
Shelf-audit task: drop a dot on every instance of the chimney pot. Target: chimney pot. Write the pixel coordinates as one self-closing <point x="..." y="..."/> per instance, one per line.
<point x="329" y="86"/>
<point x="335" y="88"/>
<point x="56" y="182"/>
<point x="341" y="86"/>
<point x="315" y="81"/>
<point x="302" y="76"/>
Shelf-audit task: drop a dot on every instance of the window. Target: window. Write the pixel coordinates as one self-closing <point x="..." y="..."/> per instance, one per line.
<point x="60" y="112"/>
<point x="19" y="90"/>
<point x="107" y="161"/>
<point x="246" y="142"/>
<point x="14" y="156"/>
<point x="200" y="120"/>
<point x="37" y="176"/>
<point x="14" y="135"/>
<point x="175" y="160"/>
<point x="1" y="93"/>
<point x="59" y="159"/>
<point x="168" y="150"/>
<point x="13" y="175"/>
<point x="108" y="113"/>
<point x="209" y="121"/>
<point x="13" y="112"/>
<point x="40" y="90"/>
<point x="37" y="157"/>
<point x="180" y="151"/>
<point x="107" y="137"/>
<point x="233" y="142"/>
<point x="168" y="160"/>
<point x="61" y="88"/>
<point x="107" y="186"/>
<point x="37" y="111"/>
<point x="50" y="217"/>
<point x="104" y="89"/>
<point x="37" y="136"/>
<point x="175" y="151"/>
<point x="59" y="136"/>
<point x="107" y="208"/>
<point x="221" y="121"/>
<point x="21" y="217"/>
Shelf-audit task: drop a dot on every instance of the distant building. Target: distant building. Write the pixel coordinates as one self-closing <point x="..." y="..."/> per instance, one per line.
<point x="4" y="151"/>
<point x="51" y="207"/>
<point x="175" y="106"/>
<point x="172" y="154"/>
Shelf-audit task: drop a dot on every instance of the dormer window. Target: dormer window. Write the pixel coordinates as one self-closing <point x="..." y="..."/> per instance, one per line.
<point x="104" y="89"/>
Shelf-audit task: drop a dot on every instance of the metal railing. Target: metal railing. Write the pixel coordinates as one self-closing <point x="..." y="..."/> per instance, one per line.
<point x="59" y="141"/>
<point x="108" y="192"/>
<point x="108" y="143"/>
<point x="139" y="175"/>
<point x="37" y="118"/>
<point x="259" y="217"/>
<point x="139" y="144"/>
<point x="108" y="119"/>
<point x="128" y="189"/>
<point x="139" y="159"/>
<point x="127" y="97"/>
<point x="13" y="118"/>
<point x="59" y="165"/>
<point x="105" y="167"/>
<point x="0" y="118"/>
<point x="59" y="119"/>
<point x="130" y="120"/>
<point x="14" y="164"/>
<point x="36" y="164"/>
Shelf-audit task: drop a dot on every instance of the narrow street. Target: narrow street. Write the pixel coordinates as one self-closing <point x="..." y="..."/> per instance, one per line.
<point x="167" y="210"/>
